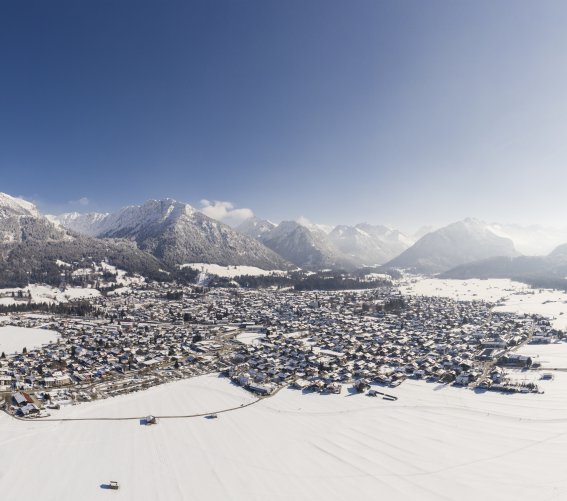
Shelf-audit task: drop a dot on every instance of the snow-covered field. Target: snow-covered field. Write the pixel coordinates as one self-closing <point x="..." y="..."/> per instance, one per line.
<point x="190" y="396"/>
<point x="549" y="355"/>
<point x="511" y="296"/>
<point x="552" y="304"/>
<point x="230" y="271"/>
<point x="15" y="339"/>
<point x="250" y="337"/>
<point x="465" y="290"/>
<point x="46" y="294"/>
<point x="434" y="443"/>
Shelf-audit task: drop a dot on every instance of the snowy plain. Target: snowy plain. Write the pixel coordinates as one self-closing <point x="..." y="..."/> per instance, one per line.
<point x="230" y="271"/>
<point x="250" y="337"/>
<point x="434" y="443"/>
<point x="507" y="295"/>
<point x="15" y="339"/>
<point x="46" y="294"/>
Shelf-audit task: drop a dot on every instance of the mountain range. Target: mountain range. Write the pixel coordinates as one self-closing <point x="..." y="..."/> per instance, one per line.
<point x="368" y="244"/>
<point x="313" y="246"/>
<point x="32" y="245"/>
<point x="540" y="269"/>
<point x="160" y="235"/>
<point x="177" y="234"/>
<point x="309" y="248"/>
<point x="458" y="243"/>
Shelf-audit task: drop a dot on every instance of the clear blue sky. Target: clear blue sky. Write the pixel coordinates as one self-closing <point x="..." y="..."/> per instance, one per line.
<point x="402" y="112"/>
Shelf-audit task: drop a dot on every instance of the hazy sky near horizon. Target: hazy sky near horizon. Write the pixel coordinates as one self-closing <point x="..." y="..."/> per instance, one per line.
<point x="398" y="112"/>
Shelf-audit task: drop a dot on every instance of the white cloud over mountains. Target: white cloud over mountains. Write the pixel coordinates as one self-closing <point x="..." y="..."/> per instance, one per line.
<point x="81" y="202"/>
<point x="225" y="211"/>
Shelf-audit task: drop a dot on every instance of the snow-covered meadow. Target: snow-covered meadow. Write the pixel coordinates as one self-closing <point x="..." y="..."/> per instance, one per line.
<point x="15" y="339"/>
<point x="251" y="337"/>
<point x="436" y="442"/>
<point x="507" y="295"/>
<point x="45" y="294"/>
<point x="463" y="290"/>
<point x="230" y="271"/>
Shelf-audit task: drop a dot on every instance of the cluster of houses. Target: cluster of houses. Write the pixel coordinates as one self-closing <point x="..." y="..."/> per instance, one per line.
<point x="320" y="341"/>
<point x="263" y="340"/>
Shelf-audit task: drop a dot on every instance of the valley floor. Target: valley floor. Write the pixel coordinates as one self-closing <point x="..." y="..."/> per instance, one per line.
<point x="508" y="296"/>
<point x="435" y="442"/>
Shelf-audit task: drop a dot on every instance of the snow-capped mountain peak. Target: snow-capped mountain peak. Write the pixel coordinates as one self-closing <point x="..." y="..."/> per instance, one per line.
<point x="369" y="244"/>
<point x="86" y="224"/>
<point x="177" y="233"/>
<point x="255" y="227"/>
<point x="458" y="243"/>
<point x="324" y="228"/>
<point x="17" y="206"/>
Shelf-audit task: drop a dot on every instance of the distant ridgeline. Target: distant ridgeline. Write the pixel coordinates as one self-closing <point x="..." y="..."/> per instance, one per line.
<point x="32" y="267"/>
<point x="537" y="271"/>
<point x="81" y="263"/>
<point x="544" y="282"/>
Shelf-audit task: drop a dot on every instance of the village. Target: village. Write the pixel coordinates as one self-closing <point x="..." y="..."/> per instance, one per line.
<point x="264" y="340"/>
